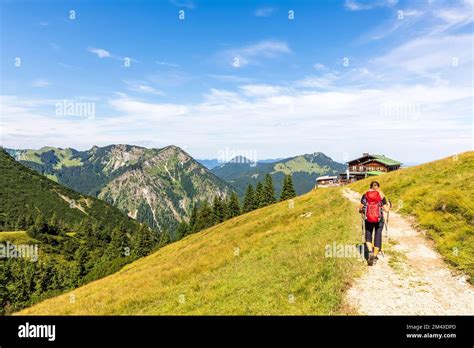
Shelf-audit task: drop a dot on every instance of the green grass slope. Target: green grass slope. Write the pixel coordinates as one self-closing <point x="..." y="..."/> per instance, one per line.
<point x="270" y="261"/>
<point x="439" y="195"/>
<point x="17" y="237"/>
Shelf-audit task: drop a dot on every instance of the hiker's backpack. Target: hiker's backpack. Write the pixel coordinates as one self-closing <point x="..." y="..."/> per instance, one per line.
<point x="373" y="206"/>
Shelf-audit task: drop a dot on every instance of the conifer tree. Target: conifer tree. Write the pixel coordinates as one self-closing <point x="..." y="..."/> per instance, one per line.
<point x="204" y="218"/>
<point x="193" y="219"/>
<point x="287" y="191"/>
<point x="40" y="226"/>
<point x="119" y="243"/>
<point x="249" y="200"/>
<point x="233" y="207"/>
<point x="218" y="210"/>
<point x="182" y="230"/>
<point x="268" y="191"/>
<point x="164" y="238"/>
<point x="259" y="198"/>
<point x="143" y="241"/>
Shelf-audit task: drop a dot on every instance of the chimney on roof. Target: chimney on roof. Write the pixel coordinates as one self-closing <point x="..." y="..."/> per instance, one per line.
<point x="365" y="154"/>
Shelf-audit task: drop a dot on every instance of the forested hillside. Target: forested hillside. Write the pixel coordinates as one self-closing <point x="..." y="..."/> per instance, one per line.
<point x="77" y="238"/>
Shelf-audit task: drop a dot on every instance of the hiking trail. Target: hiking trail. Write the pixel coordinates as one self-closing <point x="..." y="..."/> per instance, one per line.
<point x="412" y="278"/>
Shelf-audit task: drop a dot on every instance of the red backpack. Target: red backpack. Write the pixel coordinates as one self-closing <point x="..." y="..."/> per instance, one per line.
<point x="373" y="207"/>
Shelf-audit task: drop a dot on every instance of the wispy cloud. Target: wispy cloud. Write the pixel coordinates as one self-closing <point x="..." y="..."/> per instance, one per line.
<point x="100" y="52"/>
<point x="453" y="17"/>
<point x="189" y="4"/>
<point x="169" y="78"/>
<point x="142" y="87"/>
<point x="40" y="83"/>
<point x="427" y="19"/>
<point x="173" y="65"/>
<point x="265" y="11"/>
<point x="231" y="78"/>
<point x="319" y="66"/>
<point x="309" y="117"/>
<point x="262" y="90"/>
<point x="360" y="5"/>
<point x="146" y="110"/>
<point x="435" y="58"/>
<point x="55" y="46"/>
<point x="103" y="53"/>
<point x="403" y="22"/>
<point x="252" y="54"/>
<point x="324" y="81"/>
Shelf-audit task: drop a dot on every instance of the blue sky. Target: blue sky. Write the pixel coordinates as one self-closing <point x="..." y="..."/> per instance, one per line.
<point x="240" y="76"/>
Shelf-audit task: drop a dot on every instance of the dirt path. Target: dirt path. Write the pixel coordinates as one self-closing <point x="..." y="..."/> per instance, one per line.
<point x="411" y="279"/>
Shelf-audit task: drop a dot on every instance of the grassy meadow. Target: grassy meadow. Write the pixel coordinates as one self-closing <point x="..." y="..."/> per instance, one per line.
<point x="16" y="237"/>
<point x="267" y="262"/>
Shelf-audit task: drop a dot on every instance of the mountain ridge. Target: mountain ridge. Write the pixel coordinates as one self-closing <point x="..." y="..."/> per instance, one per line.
<point x="173" y="180"/>
<point x="304" y="170"/>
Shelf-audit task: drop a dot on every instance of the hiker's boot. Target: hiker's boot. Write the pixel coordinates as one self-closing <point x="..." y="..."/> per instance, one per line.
<point x="376" y="258"/>
<point x="370" y="260"/>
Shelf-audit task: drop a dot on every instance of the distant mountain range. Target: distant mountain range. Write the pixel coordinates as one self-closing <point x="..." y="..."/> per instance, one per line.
<point x="209" y="163"/>
<point x="160" y="186"/>
<point x="304" y="169"/>
<point x="212" y="163"/>
<point x="156" y="186"/>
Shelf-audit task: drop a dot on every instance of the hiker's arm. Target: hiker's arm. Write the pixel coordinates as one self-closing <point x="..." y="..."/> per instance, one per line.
<point x="362" y="204"/>
<point x="386" y="205"/>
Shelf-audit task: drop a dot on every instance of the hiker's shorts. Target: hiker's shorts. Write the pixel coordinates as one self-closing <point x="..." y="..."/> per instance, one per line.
<point x="369" y="228"/>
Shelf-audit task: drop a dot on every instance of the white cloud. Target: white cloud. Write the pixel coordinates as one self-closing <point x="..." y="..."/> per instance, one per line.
<point x="139" y="109"/>
<point x="264" y="11"/>
<point x="323" y="82"/>
<point x="252" y="54"/>
<point x="219" y="97"/>
<point x="100" y="52"/>
<point x="453" y="17"/>
<point x="55" y="46"/>
<point x="261" y="90"/>
<point x="412" y="13"/>
<point x="40" y="83"/>
<point x="142" y="87"/>
<point x="173" y="65"/>
<point x="268" y="48"/>
<point x="256" y="116"/>
<point x="189" y="4"/>
<point x="231" y="78"/>
<point x="424" y="19"/>
<point x="319" y="66"/>
<point x="360" y="5"/>
<point x="428" y="56"/>
<point x="170" y="78"/>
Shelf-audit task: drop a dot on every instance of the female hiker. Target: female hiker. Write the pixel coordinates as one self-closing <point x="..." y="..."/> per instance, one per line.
<point x="372" y="205"/>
